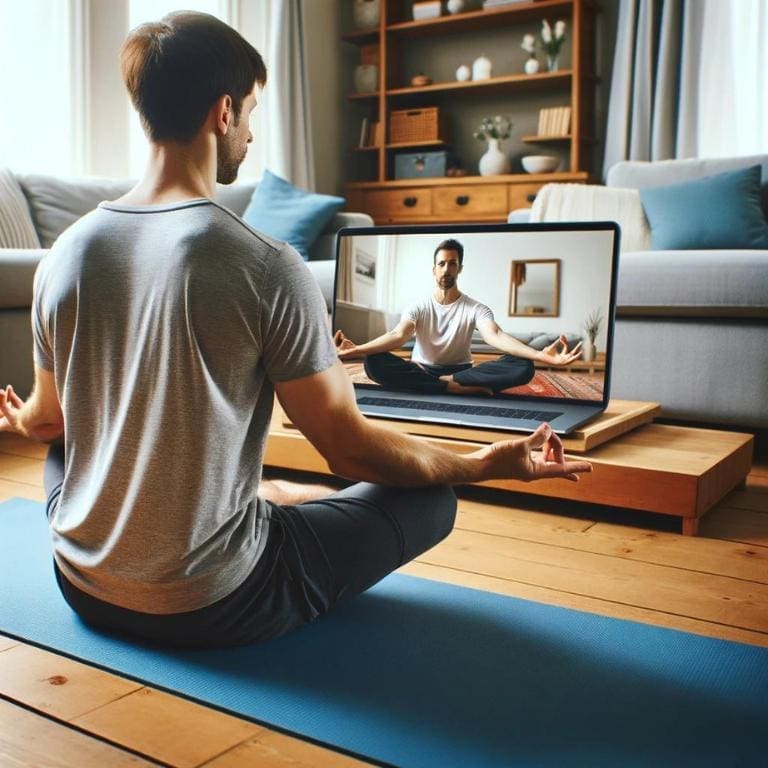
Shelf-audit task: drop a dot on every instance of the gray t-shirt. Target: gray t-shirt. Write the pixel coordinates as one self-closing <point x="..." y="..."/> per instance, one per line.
<point x="166" y="327"/>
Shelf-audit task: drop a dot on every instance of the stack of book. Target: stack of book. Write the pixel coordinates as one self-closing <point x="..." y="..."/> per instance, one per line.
<point x="371" y="133"/>
<point x="426" y="9"/>
<point x="497" y="3"/>
<point x="555" y="121"/>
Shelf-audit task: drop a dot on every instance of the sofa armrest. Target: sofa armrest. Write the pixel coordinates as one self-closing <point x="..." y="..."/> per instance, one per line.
<point x="324" y="247"/>
<point x="519" y="216"/>
<point x="17" y="273"/>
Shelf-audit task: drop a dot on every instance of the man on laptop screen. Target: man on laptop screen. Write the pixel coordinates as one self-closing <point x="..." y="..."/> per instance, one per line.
<point x="443" y="325"/>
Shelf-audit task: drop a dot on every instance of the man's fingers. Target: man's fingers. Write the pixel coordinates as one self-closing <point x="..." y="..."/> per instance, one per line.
<point x="13" y="398"/>
<point x="539" y="437"/>
<point x="570" y="470"/>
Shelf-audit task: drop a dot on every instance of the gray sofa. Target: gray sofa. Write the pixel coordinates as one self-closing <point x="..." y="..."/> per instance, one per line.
<point x="54" y="204"/>
<point x="692" y="326"/>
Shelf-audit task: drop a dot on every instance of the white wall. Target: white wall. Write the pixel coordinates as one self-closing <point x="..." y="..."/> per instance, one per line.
<point x="584" y="274"/>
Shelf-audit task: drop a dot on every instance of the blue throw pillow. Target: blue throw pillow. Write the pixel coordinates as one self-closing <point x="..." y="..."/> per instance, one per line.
<point x="721" y="211"/>
<point x="287" y="213"/>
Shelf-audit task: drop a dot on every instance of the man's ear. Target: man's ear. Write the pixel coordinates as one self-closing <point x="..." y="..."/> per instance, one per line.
<point x="223" y="113"/>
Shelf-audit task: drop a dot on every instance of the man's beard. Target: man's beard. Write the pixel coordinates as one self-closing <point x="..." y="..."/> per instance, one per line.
<point x="447" y="281"/>
<point x="227" y="163"/>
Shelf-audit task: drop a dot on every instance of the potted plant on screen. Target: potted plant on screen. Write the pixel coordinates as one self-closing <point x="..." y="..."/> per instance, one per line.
<point x="592" y="326"/>
<point x="494" y="130"/>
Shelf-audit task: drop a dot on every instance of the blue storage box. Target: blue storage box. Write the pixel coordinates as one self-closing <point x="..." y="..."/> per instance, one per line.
<point x="421" y="165"/>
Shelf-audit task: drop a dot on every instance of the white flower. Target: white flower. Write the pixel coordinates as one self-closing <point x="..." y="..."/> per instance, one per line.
<point x="559" y="29"/>
<point x="529" y="43"/>
<point x="546" y="31"/>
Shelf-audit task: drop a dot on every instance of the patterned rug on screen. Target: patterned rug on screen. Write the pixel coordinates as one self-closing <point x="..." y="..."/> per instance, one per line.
<point x="581" y="386"/>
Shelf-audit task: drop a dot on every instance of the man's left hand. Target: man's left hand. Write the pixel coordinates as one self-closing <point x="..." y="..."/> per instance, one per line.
<point x="558" y="353"/>
<point x="10" y="411"/>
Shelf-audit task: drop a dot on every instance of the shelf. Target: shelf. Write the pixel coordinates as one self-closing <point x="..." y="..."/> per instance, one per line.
<point x="416" y="144"/>
<point x="560" y="78"/>
<point x="473" y="20"/>
<point x="509" y="178"/>
<point x="362" y="36"/>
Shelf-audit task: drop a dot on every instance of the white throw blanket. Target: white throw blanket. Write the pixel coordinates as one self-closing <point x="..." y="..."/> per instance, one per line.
<point x="587" y="202"/>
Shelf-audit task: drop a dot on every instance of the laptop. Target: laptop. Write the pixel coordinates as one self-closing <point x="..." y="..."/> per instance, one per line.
<point x="537" y="282"/>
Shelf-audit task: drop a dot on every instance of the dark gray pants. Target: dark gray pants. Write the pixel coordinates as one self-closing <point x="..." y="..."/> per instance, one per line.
<point x="317" y="555"/>
<point x="497" y="375"/>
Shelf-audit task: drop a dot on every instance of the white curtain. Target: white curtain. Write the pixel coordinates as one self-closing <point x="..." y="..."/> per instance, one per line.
<point x="43" y="86"/>
<point x="689" y="80"/>
<point x="281" y="123"/>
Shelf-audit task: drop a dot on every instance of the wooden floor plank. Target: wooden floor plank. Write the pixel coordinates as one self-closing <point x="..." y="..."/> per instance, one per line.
<point x="275" y="750"/>
<point x="10" y="489"/>
<point x="56" y="685"/>
<point x="31" y="741"/>
<point x="627" y="542"/>
<point x="20" y="446"/>
<point x="740" y="525"/>
<point x="168" y="728"/>
<point x="21" y="469"/>
<point x="749" y="499"/>
<point x="687" y="593"/>
<point x="582" y="603"/>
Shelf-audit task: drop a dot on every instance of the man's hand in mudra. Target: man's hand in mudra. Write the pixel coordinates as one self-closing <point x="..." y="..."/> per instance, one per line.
<point x="558" y="353"/>
<point x="345" y="347"/>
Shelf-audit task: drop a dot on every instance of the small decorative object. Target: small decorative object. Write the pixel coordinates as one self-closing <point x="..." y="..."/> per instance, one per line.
<point x="531" y="63"/>
<point x="366" y="78"/>
<point x="494" y="130"/>
<point x="366" y="13"/>
<point x="426" y="9"/>
<point x="455" y="6"/>
<point x="540" y="163"/>
<point x="481" y="68"/>
<point x="463" y="73"/>
<point x="552" y="42"/>
<point x="592" y="327"/>
<point x="420" y="80"/>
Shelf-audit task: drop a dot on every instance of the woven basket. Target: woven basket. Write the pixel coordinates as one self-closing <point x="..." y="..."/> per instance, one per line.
<point x="410" y="125"/>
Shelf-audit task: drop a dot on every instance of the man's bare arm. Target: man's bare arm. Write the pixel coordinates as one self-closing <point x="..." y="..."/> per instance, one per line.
<point x="557" y="353"/>
<point x="323" y="407"/>
<point x="388" y="341"/>
<point x="40" y="417"/>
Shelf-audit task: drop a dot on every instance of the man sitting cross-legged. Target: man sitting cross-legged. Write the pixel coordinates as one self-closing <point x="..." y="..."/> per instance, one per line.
<point x="443" y="325"/>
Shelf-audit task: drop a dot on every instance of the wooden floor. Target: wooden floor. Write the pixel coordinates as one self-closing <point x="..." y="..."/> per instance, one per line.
<point x="56" y="712"/>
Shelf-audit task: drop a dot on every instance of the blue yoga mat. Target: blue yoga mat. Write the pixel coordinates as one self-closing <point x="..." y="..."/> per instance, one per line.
<point x="418" y="673"/>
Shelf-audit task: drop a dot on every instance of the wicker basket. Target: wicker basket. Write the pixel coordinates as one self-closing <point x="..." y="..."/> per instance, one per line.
<point x="413" y="125"/>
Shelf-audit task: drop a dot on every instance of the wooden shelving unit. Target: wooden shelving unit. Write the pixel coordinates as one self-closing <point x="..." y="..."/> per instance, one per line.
<point x="375" y="190"/>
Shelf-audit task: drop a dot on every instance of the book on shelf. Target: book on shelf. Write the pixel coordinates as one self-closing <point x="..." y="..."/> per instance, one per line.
<point x="375" y="134"/>
<point x="426" y="9"/>
<point x="362" y="142"/>
<point x="554" y="121"/>
<point x="498" y="3"/>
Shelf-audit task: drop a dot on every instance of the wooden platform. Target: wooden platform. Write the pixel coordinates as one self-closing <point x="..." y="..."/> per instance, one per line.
<point x="679" y="471"/>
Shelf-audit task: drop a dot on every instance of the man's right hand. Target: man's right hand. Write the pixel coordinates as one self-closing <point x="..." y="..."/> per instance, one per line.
<point x="344" y="347"/>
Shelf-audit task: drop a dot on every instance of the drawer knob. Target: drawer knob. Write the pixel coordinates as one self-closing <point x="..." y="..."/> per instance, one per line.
<point x="409" y="202"/>
<point x="530" y="198"/>
<point x="462" y="199"/>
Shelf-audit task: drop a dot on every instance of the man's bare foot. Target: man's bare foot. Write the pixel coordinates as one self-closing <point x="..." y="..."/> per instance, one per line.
<point x="286" y="493"/>
<point x="455" y="388"/>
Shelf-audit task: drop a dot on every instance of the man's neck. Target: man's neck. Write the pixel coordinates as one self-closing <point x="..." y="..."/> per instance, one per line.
<point x="176" y="172"/>
<point x="446" y="296"/>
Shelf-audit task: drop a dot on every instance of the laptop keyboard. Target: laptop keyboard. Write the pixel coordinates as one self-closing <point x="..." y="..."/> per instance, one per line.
<point x="472" y="410"/>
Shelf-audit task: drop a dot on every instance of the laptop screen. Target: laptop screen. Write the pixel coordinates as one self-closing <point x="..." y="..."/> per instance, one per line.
<point x="495" y="308"/>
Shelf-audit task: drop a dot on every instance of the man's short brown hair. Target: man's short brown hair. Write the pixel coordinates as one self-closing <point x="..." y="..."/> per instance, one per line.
<point x="175" y="70"/>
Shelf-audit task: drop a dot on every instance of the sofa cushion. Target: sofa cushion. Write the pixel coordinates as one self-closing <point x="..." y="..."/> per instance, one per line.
<point x="640" y="174"/>
<point x="696" y="283"/>
<point x="56" y="203"/>
<point x="17" y="229"/>
<point x="721" y="211"/>
<point x="17" y="273"/>
<point x="288" y="213"/>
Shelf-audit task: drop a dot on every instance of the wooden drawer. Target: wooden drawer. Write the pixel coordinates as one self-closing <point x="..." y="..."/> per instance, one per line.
<point x="522" y="195"/>
<point x="387" y="205"/>
<point x="471" y="201"/>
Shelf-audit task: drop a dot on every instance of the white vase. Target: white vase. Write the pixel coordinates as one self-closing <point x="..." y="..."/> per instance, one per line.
<point x="481" y="68"/>
<point x="463" y="73"/>
<point x="366" y="78"/>
<point x="455" y="6"/>
<point x="366" y="14"/>
<point x="494" y="161"/>
<point x="531" y="65"/>
<point x="589" y="351"/>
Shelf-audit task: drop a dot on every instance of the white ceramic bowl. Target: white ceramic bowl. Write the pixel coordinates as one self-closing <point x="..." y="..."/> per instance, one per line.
<point x="540" y="163"/>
